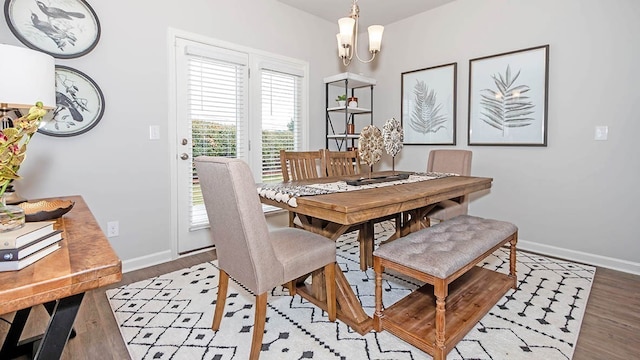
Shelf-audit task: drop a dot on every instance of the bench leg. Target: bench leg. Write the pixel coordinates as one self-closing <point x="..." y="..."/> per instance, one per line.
<point x="441" y="292"/>
<point x="512" y="259"/>
<point x="377" y="315"/>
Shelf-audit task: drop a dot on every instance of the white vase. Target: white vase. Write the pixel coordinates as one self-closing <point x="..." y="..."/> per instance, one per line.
<point x="11" y="216"/>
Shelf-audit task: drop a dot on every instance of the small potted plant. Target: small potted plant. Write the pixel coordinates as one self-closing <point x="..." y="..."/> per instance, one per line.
<point x="342" y="100"/>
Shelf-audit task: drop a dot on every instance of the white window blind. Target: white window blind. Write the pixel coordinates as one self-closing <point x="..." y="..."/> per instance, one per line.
<point x="216" y="101"/>
<point x="281" y="119"/>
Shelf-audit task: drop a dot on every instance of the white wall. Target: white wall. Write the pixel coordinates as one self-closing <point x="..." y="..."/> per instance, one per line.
<point x="116" y="168"/>
<point x="577" y="197"/>
<point x="574" y="198"/>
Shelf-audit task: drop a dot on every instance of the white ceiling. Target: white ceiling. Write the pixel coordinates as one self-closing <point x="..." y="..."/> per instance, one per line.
<point x="378" y="12"/>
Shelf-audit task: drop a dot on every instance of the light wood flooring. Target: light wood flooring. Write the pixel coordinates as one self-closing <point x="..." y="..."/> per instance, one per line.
<point x="610" y="329"/>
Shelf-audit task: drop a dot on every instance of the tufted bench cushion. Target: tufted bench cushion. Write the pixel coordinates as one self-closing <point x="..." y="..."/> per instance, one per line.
<point x="444" y="248"/>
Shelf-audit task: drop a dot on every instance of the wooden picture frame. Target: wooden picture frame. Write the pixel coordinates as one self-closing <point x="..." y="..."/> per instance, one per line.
<point x="428" y="109"/>
<point x="79" y="104"/>
<point x="64" y="29"/>
<point x="508" y="98"/>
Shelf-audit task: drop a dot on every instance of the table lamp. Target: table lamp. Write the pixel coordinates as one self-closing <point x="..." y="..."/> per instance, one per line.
<point x="26" y="77"/>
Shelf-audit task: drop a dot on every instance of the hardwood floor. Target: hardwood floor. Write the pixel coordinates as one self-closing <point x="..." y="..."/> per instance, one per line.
<point x="610" y="329"/>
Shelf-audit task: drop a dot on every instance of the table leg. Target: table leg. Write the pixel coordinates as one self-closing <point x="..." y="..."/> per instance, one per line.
<point x="366" y="239"/>
<point x="50" y="307"/>
<point x="11" y="347"/>
<point x="349" y="309"/>
<point x="59" y="328"/>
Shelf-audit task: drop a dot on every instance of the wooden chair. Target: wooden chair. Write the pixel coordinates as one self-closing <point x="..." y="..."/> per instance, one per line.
<point x="341" y="163"/>
<point x="248" y="252"/>
<point x="300" y="165"/>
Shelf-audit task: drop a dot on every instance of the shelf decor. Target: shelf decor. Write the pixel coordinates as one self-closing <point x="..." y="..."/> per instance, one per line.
<point x="508" y="95"/>
<point x="64" y="29"/>
<point x="79" y="104"/>
<point x="428" y="110"/>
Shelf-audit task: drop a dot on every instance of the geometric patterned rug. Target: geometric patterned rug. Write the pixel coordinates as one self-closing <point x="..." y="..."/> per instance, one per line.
<point x="169" y="316"/>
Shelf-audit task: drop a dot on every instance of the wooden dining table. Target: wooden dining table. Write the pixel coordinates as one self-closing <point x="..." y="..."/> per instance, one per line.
<point x="331" y="215"/>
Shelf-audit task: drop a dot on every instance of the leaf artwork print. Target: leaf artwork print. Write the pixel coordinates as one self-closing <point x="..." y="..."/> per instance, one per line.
<point x="426" y="116"/>
<point x="506" y="106"/>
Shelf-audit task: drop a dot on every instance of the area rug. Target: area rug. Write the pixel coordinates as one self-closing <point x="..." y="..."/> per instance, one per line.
<point x="169" y="316"/>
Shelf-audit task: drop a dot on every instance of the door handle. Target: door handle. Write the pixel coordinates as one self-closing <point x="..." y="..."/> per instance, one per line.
<point x="184" y="156"/>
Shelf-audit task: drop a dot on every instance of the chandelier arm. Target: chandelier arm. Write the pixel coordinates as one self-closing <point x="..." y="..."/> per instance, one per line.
<point x="355" y="46"/>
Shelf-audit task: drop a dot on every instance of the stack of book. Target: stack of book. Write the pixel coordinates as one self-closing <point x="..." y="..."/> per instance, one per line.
<point x="30" y="243"/>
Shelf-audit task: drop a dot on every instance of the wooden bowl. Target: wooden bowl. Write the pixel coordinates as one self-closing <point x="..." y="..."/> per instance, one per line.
<point x="45" y="209"/>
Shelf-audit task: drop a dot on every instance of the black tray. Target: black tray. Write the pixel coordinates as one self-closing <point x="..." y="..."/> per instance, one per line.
<point x="377" y="179"/>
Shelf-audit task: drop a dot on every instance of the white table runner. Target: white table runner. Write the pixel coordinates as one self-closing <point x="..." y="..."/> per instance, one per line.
<point x="285" y="193"/>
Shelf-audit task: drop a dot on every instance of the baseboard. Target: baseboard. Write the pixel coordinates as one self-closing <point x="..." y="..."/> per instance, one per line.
<point x="573" y="255"/>
<point x="583" y="257"/>
<point x="146" y="261"/>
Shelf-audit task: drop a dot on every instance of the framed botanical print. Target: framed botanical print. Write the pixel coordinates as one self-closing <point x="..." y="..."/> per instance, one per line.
<point x="428" y="110"/>
<point x="63" y="29"/>
<point x="508" y="96"/>
<point x="79" y="104"/>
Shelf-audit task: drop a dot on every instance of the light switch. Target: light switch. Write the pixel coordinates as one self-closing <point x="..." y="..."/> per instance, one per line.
<point x="601" y="133"/>
<point x="154" y="132"/>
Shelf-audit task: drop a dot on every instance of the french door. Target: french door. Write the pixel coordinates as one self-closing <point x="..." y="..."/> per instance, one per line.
<point x="213" y="105"/>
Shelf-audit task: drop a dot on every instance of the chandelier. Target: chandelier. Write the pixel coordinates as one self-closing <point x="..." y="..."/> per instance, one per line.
<point x="348" y="37"/>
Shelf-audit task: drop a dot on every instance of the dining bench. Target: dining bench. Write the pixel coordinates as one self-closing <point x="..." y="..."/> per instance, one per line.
<point x="457" y="293"/>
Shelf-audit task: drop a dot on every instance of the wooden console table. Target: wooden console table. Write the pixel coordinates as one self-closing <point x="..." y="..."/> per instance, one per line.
<point x="86" y="261"/>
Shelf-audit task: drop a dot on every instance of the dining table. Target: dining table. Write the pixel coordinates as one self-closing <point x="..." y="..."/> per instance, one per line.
<point x="334" y="213"/>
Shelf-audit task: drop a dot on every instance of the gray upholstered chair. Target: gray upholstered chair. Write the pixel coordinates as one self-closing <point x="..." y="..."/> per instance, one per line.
<point x="247" y="251"/>
<point x="450" y="161"/>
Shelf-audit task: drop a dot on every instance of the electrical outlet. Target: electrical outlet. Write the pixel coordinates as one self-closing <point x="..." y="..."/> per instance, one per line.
<point x="113" y="229"/>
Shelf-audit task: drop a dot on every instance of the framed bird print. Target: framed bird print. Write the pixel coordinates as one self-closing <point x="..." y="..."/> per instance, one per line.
<point x="79" y="104"/>
<point x="64" y="29"/>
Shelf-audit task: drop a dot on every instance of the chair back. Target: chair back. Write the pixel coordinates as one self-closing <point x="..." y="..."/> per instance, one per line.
<point x="450" y="161"/>
<point x="300" y="165"/>
<point x="341" y="163"/>
<point x="238" y="226"/>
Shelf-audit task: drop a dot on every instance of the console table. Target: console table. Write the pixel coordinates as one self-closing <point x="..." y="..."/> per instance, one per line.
<point x="86" y="261"/>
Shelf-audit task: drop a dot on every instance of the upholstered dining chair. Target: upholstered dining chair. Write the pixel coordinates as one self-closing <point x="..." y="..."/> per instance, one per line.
<point x="449" y="161"/>
<point x="248" y="251"/>
<point x="300" y="165"/>
<point x="341" y="163"/>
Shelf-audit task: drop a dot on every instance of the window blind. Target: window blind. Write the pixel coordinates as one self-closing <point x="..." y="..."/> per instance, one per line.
<point x="281" y="119"/>
<point x="216" y="101"/>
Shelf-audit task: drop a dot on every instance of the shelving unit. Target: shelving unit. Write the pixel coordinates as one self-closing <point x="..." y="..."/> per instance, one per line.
<point x="339" y="117"/>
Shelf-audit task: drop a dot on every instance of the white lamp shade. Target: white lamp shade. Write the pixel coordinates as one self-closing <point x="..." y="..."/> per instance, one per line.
<point x="26" y="77"/>
<point x="342" y="52"/>
<point x="346" y="25"/>
<point x="375" y="37"/>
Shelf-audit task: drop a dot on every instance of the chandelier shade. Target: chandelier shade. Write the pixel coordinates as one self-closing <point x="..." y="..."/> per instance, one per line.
<point x="348" y="37"/>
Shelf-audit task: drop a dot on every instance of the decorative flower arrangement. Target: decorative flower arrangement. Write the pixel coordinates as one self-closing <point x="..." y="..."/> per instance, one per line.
<point x="370" y="145"/>
<point x="13" y="144"/>
<point x="393" y="138"/>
